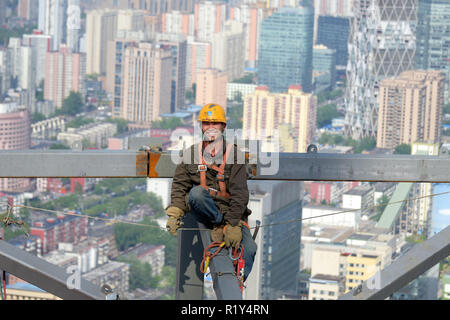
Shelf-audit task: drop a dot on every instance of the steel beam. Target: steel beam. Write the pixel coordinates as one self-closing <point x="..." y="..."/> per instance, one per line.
<point x="45" y="275"/>
<point x="282" y="166"/>
<point x="405" y="269"/>
<point x="358" y="167"/>
<point x="191" y="244"/>
<point x="64" y="163"/>
<point x="189" y="284"/>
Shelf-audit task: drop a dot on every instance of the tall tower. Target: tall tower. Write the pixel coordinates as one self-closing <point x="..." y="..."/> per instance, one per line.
<point x="101" y="27"/>
<point x="53" y="19"/>
<point x="146" y="82"/>
<point x="433" y="38"/>
<point x="286" y="49"/>
<point x="15" y="135"/>
<point x="382" y="44"/>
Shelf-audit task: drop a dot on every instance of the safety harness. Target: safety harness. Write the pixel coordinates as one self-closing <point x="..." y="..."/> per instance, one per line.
<point x="203" y="167"/>
<point x="236" y="255"/>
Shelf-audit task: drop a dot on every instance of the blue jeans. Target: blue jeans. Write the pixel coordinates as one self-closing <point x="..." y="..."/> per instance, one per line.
<point x="205" y="211"/>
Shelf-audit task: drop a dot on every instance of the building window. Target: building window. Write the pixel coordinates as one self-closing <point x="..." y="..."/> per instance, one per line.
<point x="331" y="293"/>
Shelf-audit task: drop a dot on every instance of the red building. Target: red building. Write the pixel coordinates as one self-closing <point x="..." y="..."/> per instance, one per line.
<point x="63" y="228"/>
<point x="77" y="181"/>
<point x="55" y="185"/>
<point x="330" y="192"/>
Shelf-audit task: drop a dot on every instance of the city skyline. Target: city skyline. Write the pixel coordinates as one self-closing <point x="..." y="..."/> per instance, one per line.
<point x="348" y="77"/>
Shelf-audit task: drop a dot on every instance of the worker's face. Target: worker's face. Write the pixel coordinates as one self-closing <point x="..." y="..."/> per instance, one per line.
<point x="212" y="130"/>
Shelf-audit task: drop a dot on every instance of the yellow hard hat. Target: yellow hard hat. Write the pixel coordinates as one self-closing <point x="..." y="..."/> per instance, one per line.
<point x="212" y="113"/>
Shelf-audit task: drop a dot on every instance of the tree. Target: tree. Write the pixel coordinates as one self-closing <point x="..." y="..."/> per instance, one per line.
<point x="325" y="114"/>
<point x="167" y="123"/>
<point x="122" y="124"/>
<point x="403" y="149"/>
<point x="57" y="146"/>
<point x="235" y="114"/>
<point x="446" y="108"/>
<point x="140" y="274"/>
<point x="73" y="104"/>
<point x="37" y="116"/>
<point x="248" y="78"/>
<point x="78" y="122"/>
<point x="382" y="203"/>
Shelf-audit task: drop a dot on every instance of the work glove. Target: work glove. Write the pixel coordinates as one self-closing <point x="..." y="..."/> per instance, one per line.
<point x="233" y="235"/>
<point x="175" y="214"/>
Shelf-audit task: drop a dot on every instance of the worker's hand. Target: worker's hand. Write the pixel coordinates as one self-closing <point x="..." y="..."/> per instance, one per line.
<point x="233" y="235"/>
<point x="175" y="214"/>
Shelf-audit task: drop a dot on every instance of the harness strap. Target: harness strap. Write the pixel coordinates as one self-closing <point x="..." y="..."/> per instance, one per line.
<point x="220" y="173"/>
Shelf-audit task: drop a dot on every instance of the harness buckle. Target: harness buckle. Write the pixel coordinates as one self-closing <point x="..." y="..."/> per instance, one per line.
<point x="220" y="177"/>
<point x="214" y="190"/>
<point x="202" y="167"/>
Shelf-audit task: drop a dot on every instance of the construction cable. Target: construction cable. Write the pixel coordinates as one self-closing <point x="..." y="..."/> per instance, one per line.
<point x="114" y="221"/>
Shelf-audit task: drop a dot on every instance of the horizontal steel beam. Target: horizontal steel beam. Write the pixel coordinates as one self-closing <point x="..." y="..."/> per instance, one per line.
<point x="45" y="275"/>
<point x="270" y="166"/>
<point x="405" y="269"/>
<point x="65" y="163"/>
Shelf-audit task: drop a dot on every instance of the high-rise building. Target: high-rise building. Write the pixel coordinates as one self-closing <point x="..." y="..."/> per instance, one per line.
<point x="156" y="7"/>
<point x="252" y="18"/>
<point x="324" y="67"/>
<point x="28" y="9"/>
<point x="27" y="73"/>
<point x="114" y="71"/>
<point x="131" y="20"/>
<point x="286" y="49"/>
<point x="410" y="108"/>
<point x="3" y="7"/>
<point x="5" y="71"/>
<point x="14" y="46"/>
<point x="433" y="37"/>
<point x="209" y="19"/>
<point x="73" y="25"/>
<point x="277" y="260"/>
<point x="178" y="47"/>
<point x="15" y="134"/>
<point x="199" y="57"/>
<point x="53" y="20"/>
<point x="264" y="112"/>
<point x="382" y="44"/>
<point x="228" y="50"/>
<point x="333" y="7"/>
<point x="41" y="44"/>
<point x="178" y="22"/>
<point x="101" y="27"/>
<point x="146" y="82"/>
<point x="211" y="87"/>
<point x="65" y="72"/>
<point x="333" y="32"/>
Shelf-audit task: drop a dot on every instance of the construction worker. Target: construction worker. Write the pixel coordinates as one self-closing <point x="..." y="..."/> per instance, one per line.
<point x="213" y="187"/>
